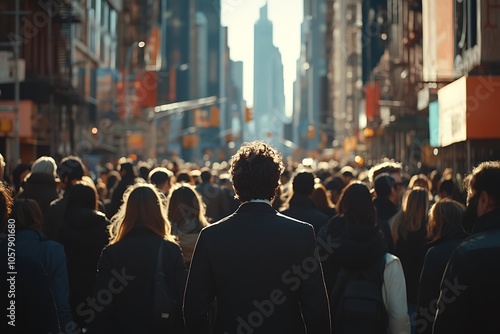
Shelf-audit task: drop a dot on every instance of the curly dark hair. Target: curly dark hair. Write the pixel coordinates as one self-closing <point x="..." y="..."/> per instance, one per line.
<point x="255" y="171"/>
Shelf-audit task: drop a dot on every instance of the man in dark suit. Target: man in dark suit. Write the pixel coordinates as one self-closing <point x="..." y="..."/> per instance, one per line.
<point x="259" y="264"/>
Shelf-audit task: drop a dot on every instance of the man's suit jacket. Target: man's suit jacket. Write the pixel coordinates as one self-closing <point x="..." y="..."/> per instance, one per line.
<point x="261" y="267"/>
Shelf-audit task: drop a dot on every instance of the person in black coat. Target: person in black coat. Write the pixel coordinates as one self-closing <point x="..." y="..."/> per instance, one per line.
<point x="469" y="295"/>
<point x="128" y="175"/>
<point x="259" y="264"/>
<point x="83" y="234"/>
<point x="386" y="204"/>
<point x="359" y="246"/>
<point x="41" y="184"/>
<point x="446" y="234"/>
<point x="409" y="232"/>
<point x="70" y="171"/>
<point x="41" y="280"/>
<point x="301" y="206"/>
<point x="126" y="269"/>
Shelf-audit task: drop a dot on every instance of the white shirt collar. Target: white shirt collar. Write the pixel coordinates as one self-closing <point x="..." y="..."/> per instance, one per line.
<point x="258" y="201"/>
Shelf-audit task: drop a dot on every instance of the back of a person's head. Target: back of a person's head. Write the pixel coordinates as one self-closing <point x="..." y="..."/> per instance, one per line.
<point x="113" y="178"/>
<point x="384" y="167"/>
<point x="445" y="215"/>
<point x="143" y="167"/>
<point x="347" y="171"/>
<point x="82" y="195"/>
<point x="320" y="197"/>
<point x="71" y="168"/>
<point x="6" y="202"/>
<point x="445" y="187"/>
<point x="184" y="175"/>
<point x="159" y="176"/>
<point x="303" y="183"/>
<point x="415" y="210"/>
<point x="384" y="184"/>
<point x="185" y="204"/>
<point x="27" y="214"/>
<point x="335" y="183"/>
<point x="356" y="205"/>
<point x="143" y="205"/>
<point x="420" y="180"/>
<point x="485" y="177"/>
<point x="255" y="171"/>
<point x="45" y="165"/>
<point x="18" y="174"/>
<point x="205" y="175"/>
<point x="127" y="169"/>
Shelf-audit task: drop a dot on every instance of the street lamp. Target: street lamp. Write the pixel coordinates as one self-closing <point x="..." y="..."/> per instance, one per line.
<point x="128" y="57"/>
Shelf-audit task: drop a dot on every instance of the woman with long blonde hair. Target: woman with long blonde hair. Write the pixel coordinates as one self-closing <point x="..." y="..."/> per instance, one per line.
<point x="445" y="231"/>
<point x="409" y="232"/>
<point x="137" y="231"/>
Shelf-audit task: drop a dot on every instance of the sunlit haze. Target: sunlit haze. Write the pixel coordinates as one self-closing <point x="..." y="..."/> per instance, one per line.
<point x="286" y="15"/>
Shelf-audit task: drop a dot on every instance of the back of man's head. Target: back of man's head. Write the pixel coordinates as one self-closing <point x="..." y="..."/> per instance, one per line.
<point x="445" y="187"/>
<point x="384" y="184"/>
<point x="303" y="183"/>
<point x="255" y="171"/>
<point x="159" y="176"/>
<point x="127" y="170"/>
<point x="205" y="175"/>
<point x="384" y="167"/>
<point x="486" y="177"/>
<point x="70" y="169"/>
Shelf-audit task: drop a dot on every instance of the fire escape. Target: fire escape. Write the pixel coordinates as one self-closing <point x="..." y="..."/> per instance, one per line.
<point x="67" y="92"/>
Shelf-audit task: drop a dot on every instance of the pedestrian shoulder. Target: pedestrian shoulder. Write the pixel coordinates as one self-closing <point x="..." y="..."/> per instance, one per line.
<point x="480" y="241"/>
<point x="294" y="223"/>
<point x="391" y="259"/>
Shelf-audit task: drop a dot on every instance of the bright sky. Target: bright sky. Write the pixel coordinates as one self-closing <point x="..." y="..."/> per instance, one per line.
<point x="286" y="15"/>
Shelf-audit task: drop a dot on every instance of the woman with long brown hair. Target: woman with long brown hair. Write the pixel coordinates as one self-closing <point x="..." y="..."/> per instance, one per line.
<point x="186" y="212"/>
<point x="137" y="231"/>
<point x="360" y="249"/>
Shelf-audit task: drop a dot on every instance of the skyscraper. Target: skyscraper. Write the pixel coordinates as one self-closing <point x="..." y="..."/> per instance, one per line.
<point x="269" y="96"/>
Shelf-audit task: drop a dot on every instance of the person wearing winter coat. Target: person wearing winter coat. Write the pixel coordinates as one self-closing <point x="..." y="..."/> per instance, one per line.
<point x="70" y="171"/>
<point x="446" y="233"/>
<point x="83" y="233"/>
<point x="409" y="232"/>
<point x="41" y="184"/>
<point x="360" y="245"/>
<point x="127" y="266"/>
<point x="469" y="294"/>
<point x="42" y="292"/>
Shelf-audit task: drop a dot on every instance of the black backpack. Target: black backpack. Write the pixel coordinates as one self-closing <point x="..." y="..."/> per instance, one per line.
<point x="358" y="306"/>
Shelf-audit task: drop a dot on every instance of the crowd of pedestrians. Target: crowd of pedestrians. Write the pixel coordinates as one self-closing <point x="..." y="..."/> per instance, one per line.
<point x="254" y="247"/>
